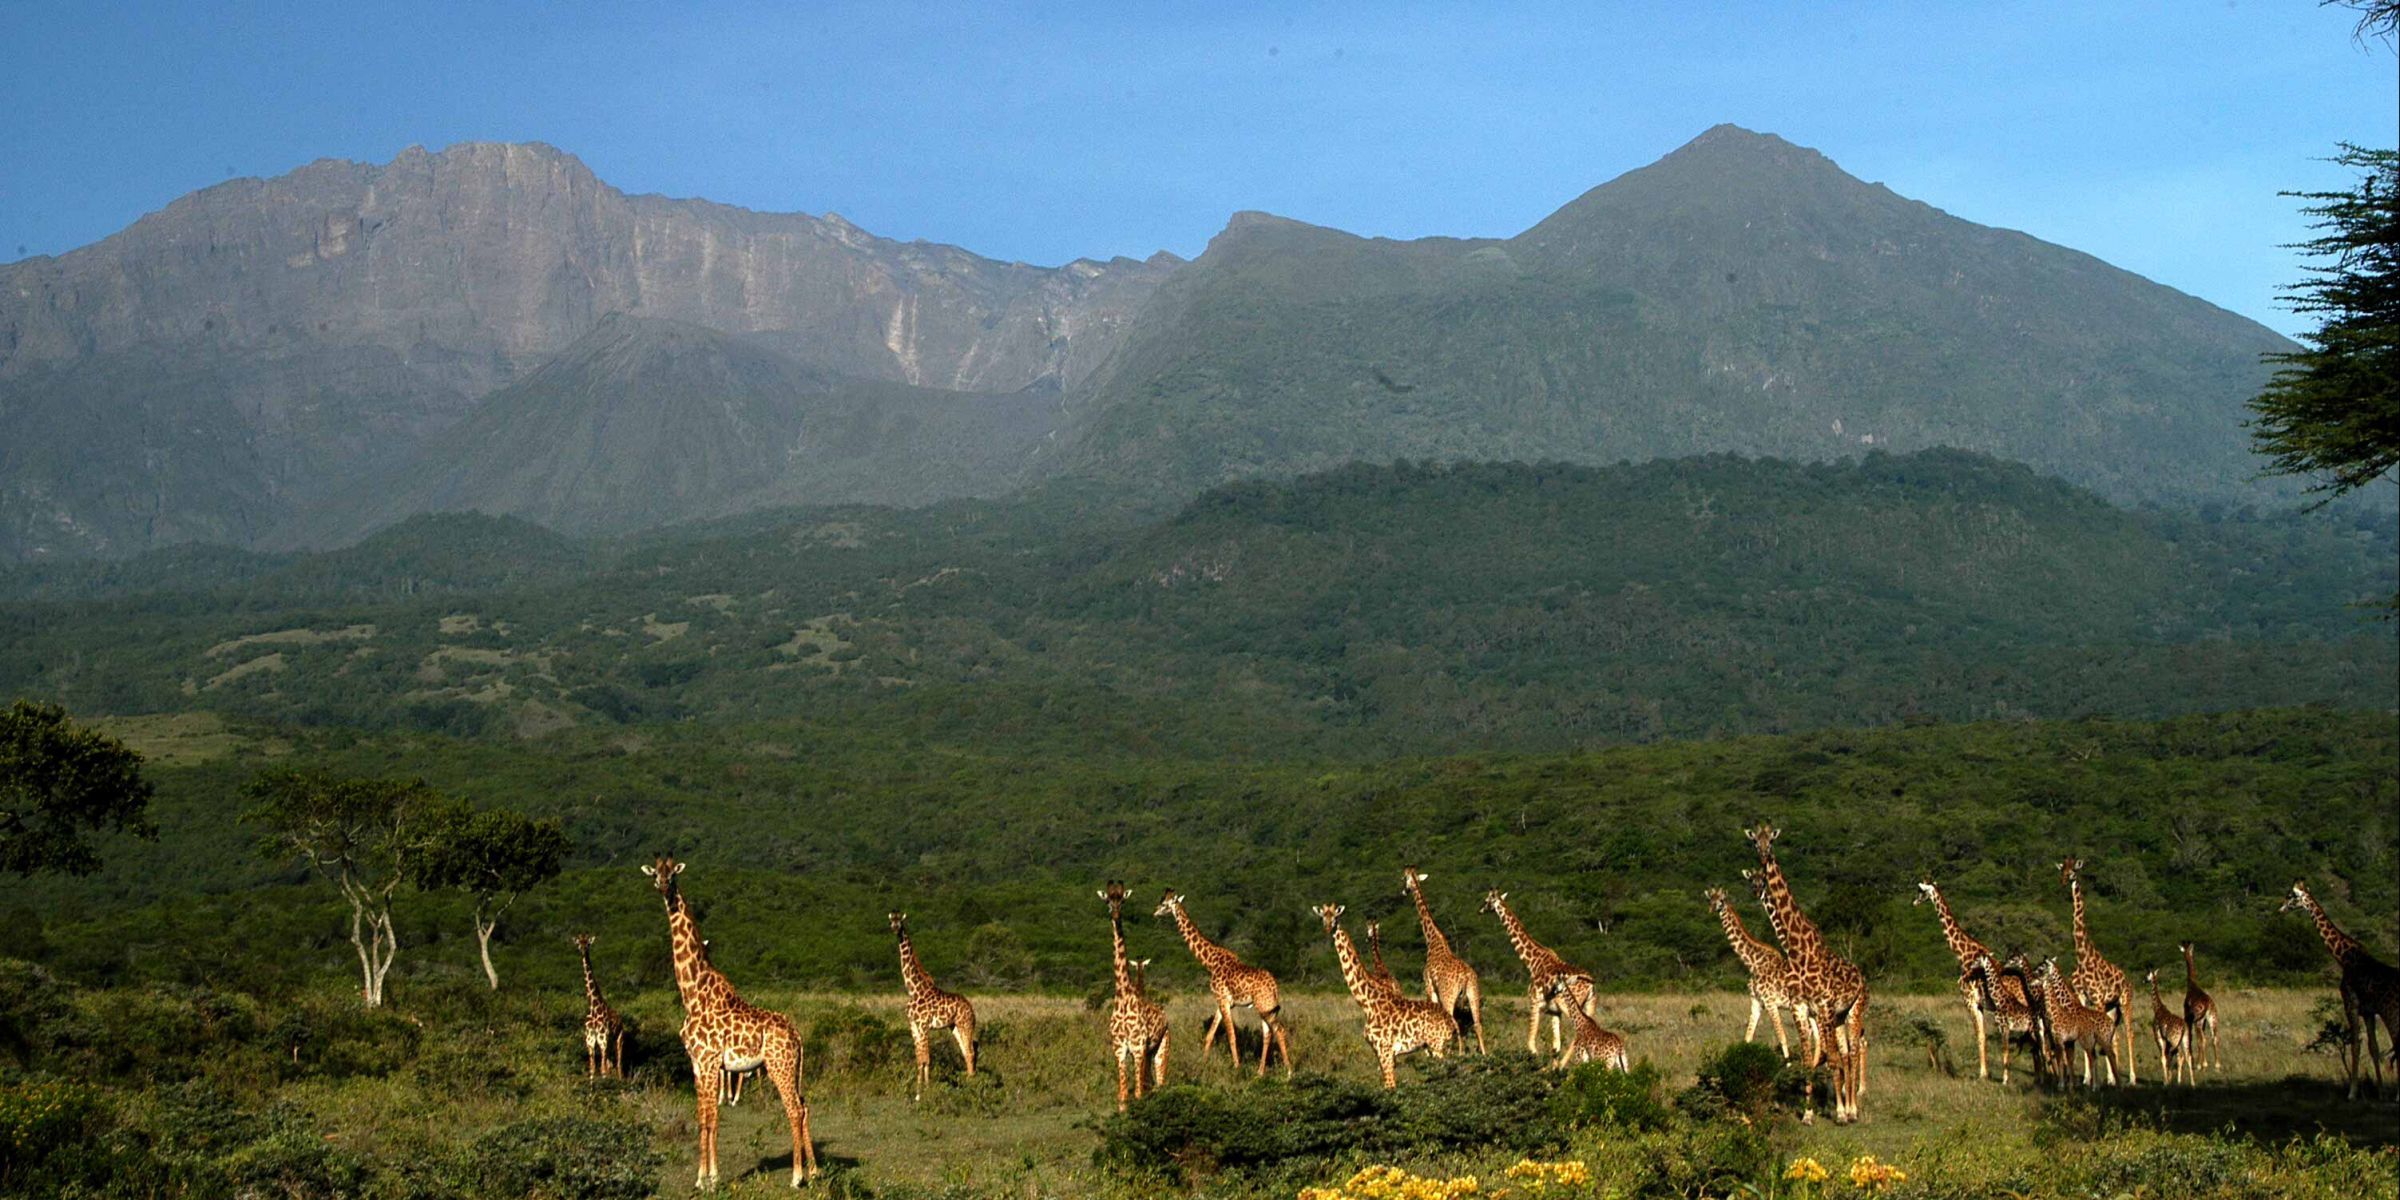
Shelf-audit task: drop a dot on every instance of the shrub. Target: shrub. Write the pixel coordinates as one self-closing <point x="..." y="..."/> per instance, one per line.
<point x="1593" y="1095"/>
<point x="1745" y="1080"/>
<point x="564" y="1158"/>
<point x="850" y="1038"/>
<point x="47" y="1134"/>
<point x="295" y="1164"/>
<point x="38" y="1017"/>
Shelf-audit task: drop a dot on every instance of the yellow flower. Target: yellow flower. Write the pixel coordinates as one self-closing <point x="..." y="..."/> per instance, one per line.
<point x="1807" y="1170"/>
<point x="1869" y="1175"/>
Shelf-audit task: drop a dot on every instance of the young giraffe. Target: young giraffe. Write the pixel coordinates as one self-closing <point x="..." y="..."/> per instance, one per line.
<point x="1970" y="988"/>
<point x="1590" y="1042"/>
<point x="930" y="1008"/>
<point x="2004" y="996"/>
<point x="1137" y="1026"/>
<point x="602" y="1027"/>
<point x="1832" y="994"/>
<point x="2172" y="1035"/>
<point x="2083" y="1032"/>
<point x="1543" y="966"/>
<point x="2200" y="1014"/>
<point x="1234" y="984"/>
<point x="2370" y="991"/>
<point x="723" y="1032"/>
<point x="1770" y="975"/>
<point x="1396" y="1025"/>
<point x="1448" y="978"/>
<point x="2097" y="981"/>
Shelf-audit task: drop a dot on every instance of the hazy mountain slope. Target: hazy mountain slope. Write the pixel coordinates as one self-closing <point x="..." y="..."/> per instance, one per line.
<point x="1365" y="610"/>
<point x="1741" y="294"/>
<point x="211" y="370"/>
<point x="644" y="422"/>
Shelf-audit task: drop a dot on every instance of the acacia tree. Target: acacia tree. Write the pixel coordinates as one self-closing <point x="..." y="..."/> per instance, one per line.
<point x="61" y="783"/>
<point x="363" y="835"/>
<point x="2332" y="410"/>
<point x="495" y="856"/>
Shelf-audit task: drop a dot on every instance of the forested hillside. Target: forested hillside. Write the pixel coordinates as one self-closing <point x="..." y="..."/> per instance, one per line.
<point x="1370" y="610"/>
<point x="801" y="838"/>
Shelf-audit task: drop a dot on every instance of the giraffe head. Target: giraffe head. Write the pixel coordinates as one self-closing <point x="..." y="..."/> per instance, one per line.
<point x="1410" y="879"/>
<point x="1114" y="893"/>
<point x="583" y="941"/>
<point x="1170" y="904"/>
<point x="1495" y="902"/>
<point x="2152" y="977"/>
<point x="1331" y="914"/>
<point x="1758" y="884"/>
<point x="1716" y="900"/>
<point x="1139" y="968"/>
<point x="1374" y="931"/>
<point x="1927" y="890"/>
<point x="2067" y="870"/>
<point x="1763" y="837"/>
<point x="899" y="922"/>
<point x="662" y="872"/>
<point x="2298" y="898"/>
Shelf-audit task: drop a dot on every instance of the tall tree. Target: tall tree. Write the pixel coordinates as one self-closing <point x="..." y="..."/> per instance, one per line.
<point x="494" y="856"/>
<point x="2332" y="411"/>
<point x="61" y="783"/>
<point x="363" y="835"/>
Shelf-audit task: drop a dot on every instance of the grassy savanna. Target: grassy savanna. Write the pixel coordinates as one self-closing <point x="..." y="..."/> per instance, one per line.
<point x="414" y="1101"/>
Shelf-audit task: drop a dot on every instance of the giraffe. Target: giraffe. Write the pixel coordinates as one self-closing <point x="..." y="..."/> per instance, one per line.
<point x="602" y="1027"/>
<point x="2083" y="1032"/>
<point x="1396" y="1025"/>
<point x="1590" y="1042"/>
<point x="930" y="1008"/>
<point x="1448" y="978"/>
<point x="1971" y="989"/>
<point x="1831" y="993"/>
<point x="2173" y="1036"/>
<point x="2003" y="995"/>
<point x="1542" y="965"/>
<point x="2200" y="1013"/>
<point x="1379" y="975"/>
<point x="1770" y="975"/>
<point x="2097" y="981"/>
<point x="2370" y="991"/>
<point x="722" y="1032"/>
<point x="1137" y="1026"/>
<point x="1234" y="984"/>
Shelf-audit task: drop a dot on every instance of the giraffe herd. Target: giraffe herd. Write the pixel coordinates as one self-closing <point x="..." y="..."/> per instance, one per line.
<point x="2080" y="1019"/>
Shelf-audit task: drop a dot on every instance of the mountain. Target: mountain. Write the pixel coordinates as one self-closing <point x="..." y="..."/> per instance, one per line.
<point x="1369" y="610"/>
<point x="646" y="422"/>
<point x="1741" y="294"/>
<point x="239" y="358"/>
<point x="296" y="361"/>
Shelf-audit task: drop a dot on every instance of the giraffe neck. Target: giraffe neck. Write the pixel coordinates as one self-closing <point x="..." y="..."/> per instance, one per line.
<point x="1209" y="953"/>
<point x="591" y="986"/>
<point x="1435" y="943"/>
<point x="1802" y="944"/>
<point x="1533" y="952"/>
<point x="1375" y="947"/>
<point x="912" y="972"/>
<point x="2343" y="947"/>
<point x="1745" y="947"/>
<point x="1966" y="948"/>
<point x="692" y="972"/>
<point x="2083" y="937"/>
<point x="2191" y="972"/>
<point x="2158" y="1003"/>
<point x="1352" y="977"/>
<point x="1126" y="988"/>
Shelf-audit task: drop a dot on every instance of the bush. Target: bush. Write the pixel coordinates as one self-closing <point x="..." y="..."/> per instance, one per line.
<point x="47" y="1133"/>
<point x="295" y="1164"/>
<point x="38" y="1017"/>
<point x="1748" y="1081"/>
<point x="1594" y="1095"/>
<point x="564" y="1158"/>
<point x="850" y="1038"/>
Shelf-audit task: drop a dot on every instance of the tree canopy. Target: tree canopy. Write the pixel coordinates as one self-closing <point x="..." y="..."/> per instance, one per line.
<point x="61" y="783"/>
<point x="494" y="856"/>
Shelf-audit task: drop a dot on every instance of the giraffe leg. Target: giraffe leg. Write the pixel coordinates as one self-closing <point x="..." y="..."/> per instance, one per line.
<point x="707" y="1077"/>
<point x="1208" y="1040"/>
<point x="964" y="1035"/>
<point x="2350" y="1035"/>
<point x="2374" y="1058"/>
<point x="1533" y="1029"/>
<point x="591" y="1065"/>
<point x="1750" y="1033"/>
<point x="918" y="1035"/>
<point x="1782" y="1043"/>
<point x="1158" y="1063"/>
<point x="1233" y="1037"/>
<point x="1383" y="1060"/>
<point x="1983" y="1062"/>
<point x="620" y="1069"/>
<point x="1474" y="992"/>
<point x="784" y="1071"/>
<point x="1121" y="1057"/>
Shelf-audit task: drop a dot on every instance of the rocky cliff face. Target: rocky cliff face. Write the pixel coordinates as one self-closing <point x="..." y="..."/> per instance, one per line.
<point x="241" y="357"/>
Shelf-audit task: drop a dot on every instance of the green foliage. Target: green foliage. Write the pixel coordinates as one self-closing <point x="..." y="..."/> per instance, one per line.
<point x="1746" y="1080"/>
<point x="2332" y="411"/>
<point x="563" y="1158"/>
<point x="494" y="856"/>
<point x="59" y="785"/>
<point x="1594" y="1095"/>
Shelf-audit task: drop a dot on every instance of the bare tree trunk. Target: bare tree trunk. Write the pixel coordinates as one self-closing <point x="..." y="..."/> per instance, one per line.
<point x="483" y="942"/>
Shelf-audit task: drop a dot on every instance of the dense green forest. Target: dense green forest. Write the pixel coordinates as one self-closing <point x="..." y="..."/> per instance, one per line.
<point x="1363" y="612"/>
<point x="801" y="838"/>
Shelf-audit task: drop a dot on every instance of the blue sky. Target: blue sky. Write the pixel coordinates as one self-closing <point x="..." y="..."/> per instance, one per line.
<point x="2153" y="135"/>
